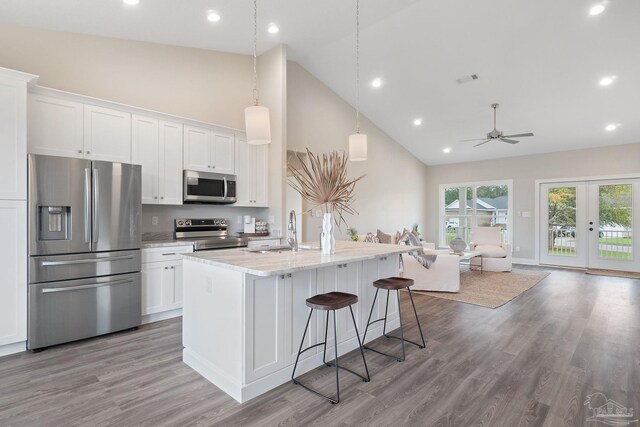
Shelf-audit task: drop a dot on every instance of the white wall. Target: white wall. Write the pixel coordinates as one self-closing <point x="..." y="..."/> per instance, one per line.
<point x="204" y="85"/>
<point x="524" y="170"/>
<point x="393" y="193"/>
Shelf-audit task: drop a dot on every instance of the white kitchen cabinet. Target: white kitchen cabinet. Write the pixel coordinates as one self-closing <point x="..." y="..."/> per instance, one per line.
<point x="107" y="134"/>
<point x="162" y="282"/>
<point x="252" y="167"/>
<point x="157" y="146"/>
<point x="13" y="139"/>
<point x="55" y="127"/>
<point x="386" y="266"/>
<point x="60" y="127"/>
<point x="208" y="150"/>
<point x="13" y="264"/>
<point x="340" y="278"/>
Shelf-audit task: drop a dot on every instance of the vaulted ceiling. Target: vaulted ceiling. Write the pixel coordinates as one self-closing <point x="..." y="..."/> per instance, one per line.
<point x="541" y="60"/>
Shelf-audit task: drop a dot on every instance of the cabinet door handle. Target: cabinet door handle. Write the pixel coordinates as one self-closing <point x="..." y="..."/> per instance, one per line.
<point x="79" y="151"/>
<point x="289" y="275"/>
<point x="172" y="267"/>
<point x="88" y="152"/>
<point x="161" y="197"/>
<point x="282" y="276"/>
<point x="155" y="197"/>
<point x="169" y="253"/>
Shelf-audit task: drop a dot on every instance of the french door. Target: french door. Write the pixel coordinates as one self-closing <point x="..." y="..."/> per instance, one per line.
<point x="590" y="224"/>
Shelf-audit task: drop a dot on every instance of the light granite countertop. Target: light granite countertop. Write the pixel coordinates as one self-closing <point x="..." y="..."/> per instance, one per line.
<point x="276" y="263"/>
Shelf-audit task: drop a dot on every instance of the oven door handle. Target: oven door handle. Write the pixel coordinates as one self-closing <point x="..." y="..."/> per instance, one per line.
<point x="225" y="187"/>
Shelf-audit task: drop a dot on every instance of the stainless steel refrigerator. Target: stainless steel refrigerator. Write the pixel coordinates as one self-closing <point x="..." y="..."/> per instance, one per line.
<point x="84" y="249"/>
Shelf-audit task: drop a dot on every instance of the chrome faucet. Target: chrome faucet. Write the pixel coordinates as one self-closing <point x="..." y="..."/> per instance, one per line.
<point x="292" y="238"/>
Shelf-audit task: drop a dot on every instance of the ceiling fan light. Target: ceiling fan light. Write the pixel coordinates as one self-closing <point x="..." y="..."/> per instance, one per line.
<point x="257" y="124"/>
<point x="358" y="147"/>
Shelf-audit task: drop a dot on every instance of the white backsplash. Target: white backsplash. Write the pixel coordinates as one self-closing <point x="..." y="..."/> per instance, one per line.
<point x="166" y="215"/>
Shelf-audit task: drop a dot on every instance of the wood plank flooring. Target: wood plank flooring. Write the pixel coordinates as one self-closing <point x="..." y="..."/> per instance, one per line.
<point x="531" y="362"/>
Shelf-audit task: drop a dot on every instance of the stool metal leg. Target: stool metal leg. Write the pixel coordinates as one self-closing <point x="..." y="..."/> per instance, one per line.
<point x="300" y="349"/>
<point x="326" y="339"/>
<point x="417" y="320"/>
<point x="335" y="347"/>
<point x="366" y="368"/>
<point x="369" y="320"/>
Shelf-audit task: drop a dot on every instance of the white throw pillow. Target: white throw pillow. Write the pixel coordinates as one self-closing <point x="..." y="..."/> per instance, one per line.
<point x="491" y="251"/>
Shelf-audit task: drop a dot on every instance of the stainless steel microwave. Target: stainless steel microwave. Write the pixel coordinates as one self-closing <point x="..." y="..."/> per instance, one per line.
<point x="203" y="187"/>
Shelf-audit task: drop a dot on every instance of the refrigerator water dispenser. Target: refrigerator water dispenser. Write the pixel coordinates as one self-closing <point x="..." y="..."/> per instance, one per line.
<point x="54" y="222"/>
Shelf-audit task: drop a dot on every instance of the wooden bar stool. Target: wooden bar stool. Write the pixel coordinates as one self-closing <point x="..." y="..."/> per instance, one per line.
<point x="331" y="301"/>
<point x="393" y="284"/>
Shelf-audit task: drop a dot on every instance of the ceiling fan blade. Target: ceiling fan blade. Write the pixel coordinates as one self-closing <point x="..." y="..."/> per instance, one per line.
<point x="484" y="142"/>
<point x="509" y="141"/>
<point x="519" y="135"/>
<point x="476" y="139"/>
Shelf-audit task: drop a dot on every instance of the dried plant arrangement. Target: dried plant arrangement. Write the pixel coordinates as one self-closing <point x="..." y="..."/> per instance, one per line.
<point x="324" y="182"/>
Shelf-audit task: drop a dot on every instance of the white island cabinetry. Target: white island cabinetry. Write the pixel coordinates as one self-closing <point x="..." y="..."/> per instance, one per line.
<point x="242" y="325"/>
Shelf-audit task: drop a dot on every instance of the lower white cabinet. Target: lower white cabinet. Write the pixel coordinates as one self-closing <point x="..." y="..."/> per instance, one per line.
<point x="13" y="264"/>
<point x="252" y="244"/>
<point x="162" y="281"/>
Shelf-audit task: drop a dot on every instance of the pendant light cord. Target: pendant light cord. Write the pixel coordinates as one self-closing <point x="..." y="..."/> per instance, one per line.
<point x="255" y="52"/>
<point x="357" y="66"/>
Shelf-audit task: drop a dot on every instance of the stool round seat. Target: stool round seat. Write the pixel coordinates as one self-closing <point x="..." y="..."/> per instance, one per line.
<point x="331" y="301"/>
<point x="393" y="283"/>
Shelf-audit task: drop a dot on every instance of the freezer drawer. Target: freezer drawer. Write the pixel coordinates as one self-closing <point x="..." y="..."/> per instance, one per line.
<point x="67" y="267"/>
<point x="71" y="310"/>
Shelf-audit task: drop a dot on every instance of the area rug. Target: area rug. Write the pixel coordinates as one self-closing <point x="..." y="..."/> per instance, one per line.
<point x="490" y="289"/>
<point x="614" y="273"/>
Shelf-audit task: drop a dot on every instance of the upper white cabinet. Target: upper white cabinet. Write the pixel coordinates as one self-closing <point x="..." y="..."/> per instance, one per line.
<point x="55" y="127"/>
<point x="206" y="150"/>
<point x="252" y="168"/>
<point x="59" y="127"/>
<point x="107" y="134"/>
<point x="157" y="146"/>
<point x="13" y="139"/>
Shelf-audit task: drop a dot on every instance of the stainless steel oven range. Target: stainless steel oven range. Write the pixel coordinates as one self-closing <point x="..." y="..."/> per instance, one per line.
<point x="207" y="234"/>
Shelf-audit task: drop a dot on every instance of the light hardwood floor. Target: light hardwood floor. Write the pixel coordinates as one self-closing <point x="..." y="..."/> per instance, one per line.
<point x="530" y="362"/>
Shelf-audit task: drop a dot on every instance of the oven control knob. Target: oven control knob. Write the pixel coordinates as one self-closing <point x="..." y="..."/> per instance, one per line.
<point x="180" y="222"/>
<point x="188" y="222"/>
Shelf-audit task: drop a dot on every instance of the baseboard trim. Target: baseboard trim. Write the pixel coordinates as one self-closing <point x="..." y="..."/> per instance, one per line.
<point x="17" y="347"/>
<point x="156" y="317"/>
<point x="524" y="261"/>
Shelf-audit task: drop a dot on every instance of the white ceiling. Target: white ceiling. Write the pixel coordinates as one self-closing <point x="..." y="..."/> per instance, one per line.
<point x="541" y="60"/>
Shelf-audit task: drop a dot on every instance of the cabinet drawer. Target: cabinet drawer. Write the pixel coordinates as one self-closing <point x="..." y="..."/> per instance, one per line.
<point x="166" y="253"/>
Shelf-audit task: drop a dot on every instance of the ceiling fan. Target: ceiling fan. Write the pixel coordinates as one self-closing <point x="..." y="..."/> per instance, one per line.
<point x="497" y="134"/>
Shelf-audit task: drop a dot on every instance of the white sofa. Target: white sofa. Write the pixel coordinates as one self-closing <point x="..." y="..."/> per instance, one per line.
<point x="442" y="276"/>
<point x="496" y="255"/>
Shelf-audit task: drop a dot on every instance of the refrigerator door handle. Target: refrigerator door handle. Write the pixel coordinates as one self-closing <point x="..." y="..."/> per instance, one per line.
<point x="225" y="187"/>
<point x="96" y="196"/>
<point x="77" y="288"/>
<point x="85" y="261"/>
<point x="87" y="205"/>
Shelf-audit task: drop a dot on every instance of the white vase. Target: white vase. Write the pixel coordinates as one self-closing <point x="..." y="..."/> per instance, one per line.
<point x="328" y="241"/>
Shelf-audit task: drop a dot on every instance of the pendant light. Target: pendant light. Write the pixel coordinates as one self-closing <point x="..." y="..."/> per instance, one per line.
<point x="256" y="117"/>
<point x="358" y="141"/>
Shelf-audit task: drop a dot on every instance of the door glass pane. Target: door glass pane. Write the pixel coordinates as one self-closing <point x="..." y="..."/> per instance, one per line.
<point x="457" y="226"/>
<point x="561" y="234"/>
<point x="615" y="222"/>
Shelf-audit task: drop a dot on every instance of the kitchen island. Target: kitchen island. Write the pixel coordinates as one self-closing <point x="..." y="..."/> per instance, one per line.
<point x="244" y="312"/>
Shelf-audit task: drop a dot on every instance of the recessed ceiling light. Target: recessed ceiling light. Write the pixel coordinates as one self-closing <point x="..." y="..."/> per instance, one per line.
<point x="213" y="16"/>
<point x="607" y="80"/>
<point x="377" y="82"/>
<point x="131" y="2"/>
<point x="596" y="9"/>
<point x="611" y="127"/>
<point x="417" y="122"/>
<point x="273" y="28"/>
<point x="446" y="150"/>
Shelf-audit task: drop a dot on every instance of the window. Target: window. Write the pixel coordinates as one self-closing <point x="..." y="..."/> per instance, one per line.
<point x="468" y="205"/>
